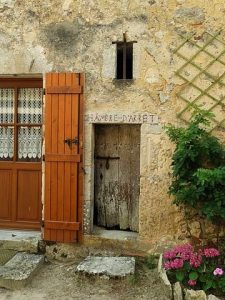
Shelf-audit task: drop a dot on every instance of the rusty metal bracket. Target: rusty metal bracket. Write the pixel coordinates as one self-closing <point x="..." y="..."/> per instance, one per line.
<point x="107" y="158"/>
<point x="69" y="142"/>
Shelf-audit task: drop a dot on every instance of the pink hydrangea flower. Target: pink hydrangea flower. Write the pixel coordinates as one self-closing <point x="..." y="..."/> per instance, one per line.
<point x="177" y="263"/>
<point x="195" y="260"/>
<point x="192" y="282"/>
<point x="218" y="271"/>
<point x="185" y="256"/>
<point x="167" y="265"/>
<point x="183" y="251"/>
<point x="171" y="254"/>
<point x="211" y="252"/>
<point x="185" y="248"/>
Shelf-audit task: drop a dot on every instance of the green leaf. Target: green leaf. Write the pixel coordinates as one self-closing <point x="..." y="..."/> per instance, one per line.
<point x="193" y="275"/>
<point x="203" y="278"/>
<point x="180" y="276"/>
<point x="201" y="269"/>
<point x="208" y="285"/>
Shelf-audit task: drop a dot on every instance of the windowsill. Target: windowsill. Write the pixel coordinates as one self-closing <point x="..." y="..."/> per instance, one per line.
<point x="123" y="82"/>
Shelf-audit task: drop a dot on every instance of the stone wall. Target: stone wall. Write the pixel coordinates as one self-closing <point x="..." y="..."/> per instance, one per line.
<point x="77" y="35"/>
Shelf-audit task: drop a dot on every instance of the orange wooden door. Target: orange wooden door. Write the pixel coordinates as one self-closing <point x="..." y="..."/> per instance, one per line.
<point x="20" y="152"/>
<point x="63" y="157"/>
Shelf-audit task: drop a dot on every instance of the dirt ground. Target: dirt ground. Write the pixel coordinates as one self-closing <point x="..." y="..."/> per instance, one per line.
<point x="58" y="280"/>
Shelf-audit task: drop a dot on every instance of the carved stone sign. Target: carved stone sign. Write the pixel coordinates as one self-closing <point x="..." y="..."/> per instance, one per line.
<point x="132" y="118"/>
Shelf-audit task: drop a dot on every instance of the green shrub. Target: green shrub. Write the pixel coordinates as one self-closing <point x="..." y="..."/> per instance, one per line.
<point x="198" y="165"/>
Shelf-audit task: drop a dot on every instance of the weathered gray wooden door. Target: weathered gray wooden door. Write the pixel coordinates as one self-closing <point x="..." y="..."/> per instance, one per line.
<point x="117" y="176"/>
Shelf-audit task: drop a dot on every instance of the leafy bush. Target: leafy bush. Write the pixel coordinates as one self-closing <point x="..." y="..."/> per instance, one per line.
<point x="198" y="168"/>
<point x="196" y="268"/>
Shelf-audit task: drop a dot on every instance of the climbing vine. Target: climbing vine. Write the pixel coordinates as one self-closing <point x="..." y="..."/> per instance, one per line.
<point x="198" y="165"/>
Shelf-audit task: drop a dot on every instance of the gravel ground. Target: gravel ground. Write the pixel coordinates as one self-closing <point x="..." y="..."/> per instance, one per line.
<point x="58" y="280"/>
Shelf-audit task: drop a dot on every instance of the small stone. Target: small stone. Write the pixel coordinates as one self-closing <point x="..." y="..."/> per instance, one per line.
<point x="195" y="295"/>
<point x="212" y="297"/>
<point x="163" y="97"/>
<point x="107" y="266"/>
<point x="177" y="291"/>
<point x="190" y="15"/>
<point x="66" y="4"/>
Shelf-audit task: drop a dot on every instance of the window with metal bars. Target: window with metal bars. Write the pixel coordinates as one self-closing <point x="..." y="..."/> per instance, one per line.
<point x="124" y="63"/>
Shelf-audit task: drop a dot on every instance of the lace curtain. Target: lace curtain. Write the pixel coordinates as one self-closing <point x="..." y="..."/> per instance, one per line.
<point x="29" y="143"/>
<point x="6" y="143"/>
<point x="30" y="106"/>
<point x="6" y="116"/>
<point x="6" y="105"/>
<point x="29" y="112"/>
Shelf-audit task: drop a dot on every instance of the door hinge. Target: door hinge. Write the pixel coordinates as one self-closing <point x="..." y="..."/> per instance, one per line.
<point x="44" y="91"/>
<point x="42" y="223"/>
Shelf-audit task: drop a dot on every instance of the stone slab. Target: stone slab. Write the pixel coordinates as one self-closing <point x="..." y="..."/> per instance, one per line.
<point x="6" y="255"/>
<point x="195" y="295"/>
<point x="177" y="291"/>
<point x="167" y="287"/>
<point x="108" y="266"/>
<point x="115" y="234"/>
<point x="19" y="271"/>
<point x="20" y="240"/>
<point x="212" y="297"/>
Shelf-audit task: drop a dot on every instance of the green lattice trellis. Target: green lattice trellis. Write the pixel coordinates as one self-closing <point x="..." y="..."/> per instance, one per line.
<point x="202" y="71"/>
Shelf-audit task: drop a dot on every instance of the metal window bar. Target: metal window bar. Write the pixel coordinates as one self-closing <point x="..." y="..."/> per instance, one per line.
<point x="124" y="45"/>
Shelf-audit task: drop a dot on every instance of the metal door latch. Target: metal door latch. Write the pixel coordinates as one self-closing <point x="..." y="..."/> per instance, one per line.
<point x="107" y="158"/>
<point x="70" y="142"/>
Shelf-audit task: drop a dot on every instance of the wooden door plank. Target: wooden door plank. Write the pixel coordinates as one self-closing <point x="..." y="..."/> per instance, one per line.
<point x="61" y="150"/>
<point x="67" y="171"/>
<point x="48" y="131"/>
<point x="14" y="195"/>
<point x="63" y="158"/>
<point x="124" y="176"/>
<point x="63" y="225"/>
<point x="111" y="177"/>
<point x="107" y="186"/>
<point x="74" y="167"/>
<point x="81" y="167"/>
<point x="28" y="198"/>
<point x="99" y="183"/>
<point x="135" y="177"/>
<point x="6" y="194"/>
<point x="54" y="148"/>
<point x="64" y="89"/>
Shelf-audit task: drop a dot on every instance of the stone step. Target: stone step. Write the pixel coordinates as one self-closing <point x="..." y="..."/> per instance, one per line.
<point x="25" y="241"/>
<point x="110" y="267"/>
<point x="19" y="270"/>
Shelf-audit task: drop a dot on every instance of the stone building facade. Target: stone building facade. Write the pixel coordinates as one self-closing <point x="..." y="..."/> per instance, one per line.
<point x="70" y="35"/>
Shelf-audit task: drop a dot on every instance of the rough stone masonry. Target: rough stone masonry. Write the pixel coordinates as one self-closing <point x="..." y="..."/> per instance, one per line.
<point x="77" y="35"/>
